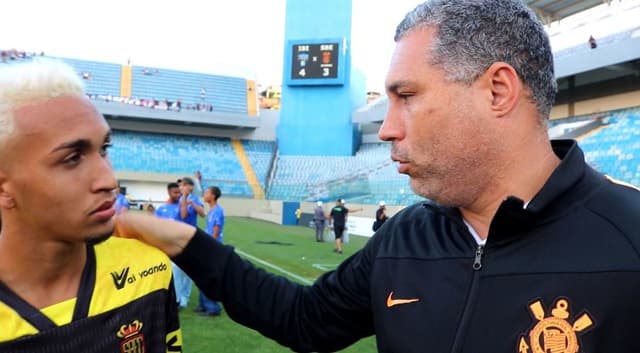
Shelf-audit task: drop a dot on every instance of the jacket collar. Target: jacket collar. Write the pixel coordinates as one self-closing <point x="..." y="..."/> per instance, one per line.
<point x="567" y="174"/>
<point x="564" y="187"/>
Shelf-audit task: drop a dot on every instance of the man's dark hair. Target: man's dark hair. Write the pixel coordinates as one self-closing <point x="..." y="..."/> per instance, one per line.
<point x="471" y="35"/>
<point x="188" y="180"/>
<point x="172" y="185"/>
<point x="215" y="191"/>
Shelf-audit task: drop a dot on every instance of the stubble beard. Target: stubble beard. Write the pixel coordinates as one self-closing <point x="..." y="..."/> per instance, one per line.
<point x="453" y="183"/>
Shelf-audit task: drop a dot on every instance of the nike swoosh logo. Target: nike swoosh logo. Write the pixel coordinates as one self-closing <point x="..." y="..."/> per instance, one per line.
<point x="391" y="302"/>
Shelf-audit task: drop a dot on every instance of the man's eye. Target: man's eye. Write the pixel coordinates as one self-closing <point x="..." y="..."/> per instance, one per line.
<point x="405" y="96"/>
<point x="72" y="159"/>
<point x="104" y="149"/>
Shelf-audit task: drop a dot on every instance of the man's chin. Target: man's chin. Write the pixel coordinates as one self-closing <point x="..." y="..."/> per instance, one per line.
<point x="99" y="238"/>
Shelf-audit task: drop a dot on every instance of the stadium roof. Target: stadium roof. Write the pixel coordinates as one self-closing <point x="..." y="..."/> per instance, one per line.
<point x="554" y="10"/>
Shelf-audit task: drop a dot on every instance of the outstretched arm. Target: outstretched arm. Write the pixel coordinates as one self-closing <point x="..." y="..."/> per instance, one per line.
<point x="329" y="315"/>
<point x="167" y="235"/>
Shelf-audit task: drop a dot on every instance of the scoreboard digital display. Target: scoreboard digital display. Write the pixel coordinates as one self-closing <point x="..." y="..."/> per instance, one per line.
<point x="315" y="63"/>
<point x="311" y="61"/>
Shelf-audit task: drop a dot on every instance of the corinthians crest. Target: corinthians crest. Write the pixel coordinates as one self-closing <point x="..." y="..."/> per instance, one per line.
<point x="554" y="334"/>
<point x="132" y="338"/>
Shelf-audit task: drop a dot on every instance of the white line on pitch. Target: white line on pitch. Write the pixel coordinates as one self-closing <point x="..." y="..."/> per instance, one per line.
<point x="279" y="269"/>
<point x="324" y="267"/>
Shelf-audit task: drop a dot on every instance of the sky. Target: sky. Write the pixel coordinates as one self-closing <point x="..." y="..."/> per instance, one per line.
<point x="231" y="37"/>
<point x="242" y="38"/>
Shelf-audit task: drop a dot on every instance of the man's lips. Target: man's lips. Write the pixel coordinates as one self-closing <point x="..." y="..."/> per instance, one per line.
<point x="105" y="210"/>
<point x="403" y="167"/>
<point x="403" y="164"/>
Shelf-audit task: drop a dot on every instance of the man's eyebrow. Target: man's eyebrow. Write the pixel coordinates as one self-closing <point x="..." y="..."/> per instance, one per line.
<point x="79" y="144"/>
<point x="75" y="144"/>
<point x="395" y="86"/>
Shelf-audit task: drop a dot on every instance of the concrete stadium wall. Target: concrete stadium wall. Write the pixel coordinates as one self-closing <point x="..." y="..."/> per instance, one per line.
<point x="146" y="186"/>
<point x="265" y="132"/>
<point x="598" y="105"/>
<point x="361" y="210"/>
<point x="154" y="189"/>
<point x="618" y="101"/>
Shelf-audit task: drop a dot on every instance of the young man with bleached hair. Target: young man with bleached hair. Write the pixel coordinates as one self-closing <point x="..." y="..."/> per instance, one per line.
<point x="65" y="284"/>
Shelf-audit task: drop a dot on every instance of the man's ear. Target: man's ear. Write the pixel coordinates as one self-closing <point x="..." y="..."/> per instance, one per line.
<point x="506" y="87"/>
<point x="6" y="199"/>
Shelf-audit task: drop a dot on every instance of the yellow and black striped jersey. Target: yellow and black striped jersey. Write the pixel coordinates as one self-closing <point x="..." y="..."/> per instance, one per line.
<point x="126" y="303"/>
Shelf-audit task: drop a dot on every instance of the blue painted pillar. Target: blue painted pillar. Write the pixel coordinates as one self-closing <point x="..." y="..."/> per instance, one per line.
<point x="319" y="91"/>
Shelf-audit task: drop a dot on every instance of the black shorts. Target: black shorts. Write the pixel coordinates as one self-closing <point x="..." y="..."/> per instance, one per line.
<point x="338" y="230"/>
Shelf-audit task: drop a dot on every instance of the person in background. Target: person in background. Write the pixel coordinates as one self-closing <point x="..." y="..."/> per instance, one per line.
<point x="66" y="285"/>
<point x="345" y="233"/>
<point x="190" y="205"/>
<point x="319" y="220"/>
<point x="298" y="214"/>
<point x="338" y="220"/>
<point x="197" y="183"/>
<point x="381" y="215"/>
<point x="215" y="227"/>
<point x="122" y="204"/>
<point x="171" y="210"/>
<point x="189" y="208"/>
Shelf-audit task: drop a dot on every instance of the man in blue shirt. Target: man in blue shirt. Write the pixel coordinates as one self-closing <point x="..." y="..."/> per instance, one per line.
<point x="190" y="205"/>
<point x="215" y="225"/>
<point x="189" y="208"/>
<point x="121" y="204"/>
<point x="170" y="209"/>
<point x="215" y="216"/>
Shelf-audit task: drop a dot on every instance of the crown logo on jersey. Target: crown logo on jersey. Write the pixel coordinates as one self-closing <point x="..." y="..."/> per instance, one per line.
<point x="130" y="329"/>
<point x="554" y="334"/>
<point x="132" y="338"/>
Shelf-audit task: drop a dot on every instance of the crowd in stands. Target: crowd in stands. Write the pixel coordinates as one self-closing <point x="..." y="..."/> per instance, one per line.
<point x="152" y="103"/>
<point x="7" y="55"/>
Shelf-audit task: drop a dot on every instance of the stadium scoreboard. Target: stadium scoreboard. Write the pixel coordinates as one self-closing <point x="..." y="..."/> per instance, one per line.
<point x="316" y="62"/>
<point x="311" y="61"/>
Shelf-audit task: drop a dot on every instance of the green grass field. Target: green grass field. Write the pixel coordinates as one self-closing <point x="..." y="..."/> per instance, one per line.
<point x="293" y="249"/>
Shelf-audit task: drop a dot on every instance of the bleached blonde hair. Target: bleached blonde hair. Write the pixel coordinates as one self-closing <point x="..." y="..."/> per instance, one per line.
<point x="32" y="82"/>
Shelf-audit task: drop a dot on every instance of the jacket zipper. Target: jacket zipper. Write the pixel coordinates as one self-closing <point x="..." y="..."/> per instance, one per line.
<point x="469" y="304"/>
<point x="477" y="261"/>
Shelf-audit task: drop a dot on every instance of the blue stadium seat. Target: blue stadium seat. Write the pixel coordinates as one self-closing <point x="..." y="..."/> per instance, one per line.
<point x="367" y="177"/>
<point x="615" y="149"/>
<point x="214" y="157"/>
<point x="227" y="94"/>
<point x="103" y="78"/>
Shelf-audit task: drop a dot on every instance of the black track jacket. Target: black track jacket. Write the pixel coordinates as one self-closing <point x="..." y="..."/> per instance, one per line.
<point x="562" y="275"/>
